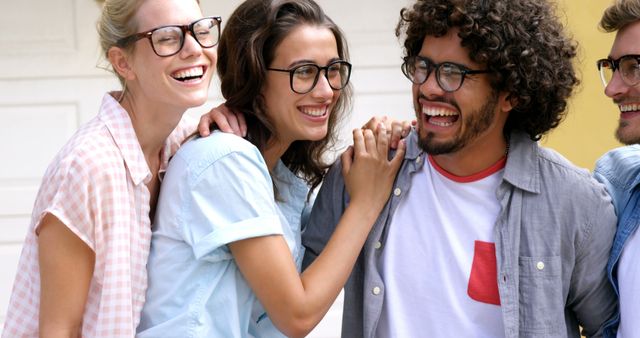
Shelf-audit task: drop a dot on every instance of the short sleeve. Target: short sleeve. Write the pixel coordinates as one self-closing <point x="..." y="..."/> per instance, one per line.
<point x="230" y="196"/>
<point x="80" y="192"/>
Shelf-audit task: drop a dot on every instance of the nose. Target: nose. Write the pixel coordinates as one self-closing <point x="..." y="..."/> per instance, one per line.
<point x="322" y="89"/>
<point x="616" y="87"/>
<point x="430" y="87"/>
<point x="191" y="47"/>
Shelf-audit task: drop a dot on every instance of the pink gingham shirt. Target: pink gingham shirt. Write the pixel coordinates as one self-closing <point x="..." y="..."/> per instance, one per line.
<point x="96" y="186"/>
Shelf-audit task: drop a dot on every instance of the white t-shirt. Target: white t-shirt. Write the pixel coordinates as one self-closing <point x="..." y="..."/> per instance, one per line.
<point x="438" y="260"/>
<point x="629" y="283"/>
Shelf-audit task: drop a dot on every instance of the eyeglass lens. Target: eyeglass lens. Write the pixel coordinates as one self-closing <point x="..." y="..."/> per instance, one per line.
<point x="169" y="40"/>
<point x="627" y="66"/>
<point x="305" y="77"/>
<point x="448" y="75"/>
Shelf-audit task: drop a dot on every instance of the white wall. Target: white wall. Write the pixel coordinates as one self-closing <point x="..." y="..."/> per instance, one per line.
<point x="51" y="82"/>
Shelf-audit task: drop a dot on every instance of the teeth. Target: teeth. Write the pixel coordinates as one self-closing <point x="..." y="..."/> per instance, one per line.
<point x="628" y="107"/>
<point x="188" y="73"/>
<point x="438" y="112"/>
<point x="316" y="112"/>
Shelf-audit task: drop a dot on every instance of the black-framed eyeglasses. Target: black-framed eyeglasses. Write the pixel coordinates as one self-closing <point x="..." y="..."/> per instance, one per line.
<point x="168" y="40"/>
<point x="628" y="66"/>
<point x="449" y="75"/>
<point x="303" y="78"/>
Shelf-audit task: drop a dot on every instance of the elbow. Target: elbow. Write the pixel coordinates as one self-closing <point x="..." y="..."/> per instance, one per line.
<point x="297" y="326"/>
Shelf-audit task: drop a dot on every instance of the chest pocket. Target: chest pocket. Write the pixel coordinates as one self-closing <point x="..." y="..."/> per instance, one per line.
<point x="541" y="300"/>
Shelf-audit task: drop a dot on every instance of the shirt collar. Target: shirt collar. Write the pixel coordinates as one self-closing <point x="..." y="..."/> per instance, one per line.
<point x="522" y="168"/>
<point x="118" y="123"/>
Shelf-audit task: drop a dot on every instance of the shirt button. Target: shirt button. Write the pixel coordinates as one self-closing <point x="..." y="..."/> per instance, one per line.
<point x="376" y="290"/>
<point x="397" y="192"/>
<point x="540" y="265"/>
<point x="378" y="245"/>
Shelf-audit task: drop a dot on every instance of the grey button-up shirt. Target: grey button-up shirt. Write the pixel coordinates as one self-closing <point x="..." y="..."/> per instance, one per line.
<point x="551" y="213"/>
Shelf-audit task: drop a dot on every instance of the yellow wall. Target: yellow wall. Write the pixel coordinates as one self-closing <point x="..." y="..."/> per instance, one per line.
<point x="587" y="131"/>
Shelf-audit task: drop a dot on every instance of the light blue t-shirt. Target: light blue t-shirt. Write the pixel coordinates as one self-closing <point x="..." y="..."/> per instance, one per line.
<point x="217" y="190"/>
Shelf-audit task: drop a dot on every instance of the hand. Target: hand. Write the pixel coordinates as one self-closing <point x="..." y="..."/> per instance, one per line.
<point x="397" y="129"/>
<point x="226" y="120"/>
<point x="368" y="173"/>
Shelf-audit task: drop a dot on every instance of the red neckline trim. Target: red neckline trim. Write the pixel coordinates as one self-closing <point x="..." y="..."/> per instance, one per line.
<point x="474" y="177"/>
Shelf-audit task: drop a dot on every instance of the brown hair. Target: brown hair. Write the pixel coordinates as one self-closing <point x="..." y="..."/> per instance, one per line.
<point x="620" y="14"/>
<point x="521" y="41"/>
<point x="247" y="47"/>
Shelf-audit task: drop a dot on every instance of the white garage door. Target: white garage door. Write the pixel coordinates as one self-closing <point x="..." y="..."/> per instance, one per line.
<point x="51" y="81"/>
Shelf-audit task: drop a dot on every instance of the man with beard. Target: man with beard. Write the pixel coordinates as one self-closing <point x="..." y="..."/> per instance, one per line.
<point x="486" y="234"/>
<point x="620" y="168"/>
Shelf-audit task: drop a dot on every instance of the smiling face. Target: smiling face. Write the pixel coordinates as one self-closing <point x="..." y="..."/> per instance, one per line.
<point x="626" y="97"/>
<point x="179" y="81"/>
<point x="469" y="119"/>
<point x="301" y="116"/>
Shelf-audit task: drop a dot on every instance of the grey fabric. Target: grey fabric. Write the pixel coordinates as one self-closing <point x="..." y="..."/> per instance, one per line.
<point x="552" y="212"/>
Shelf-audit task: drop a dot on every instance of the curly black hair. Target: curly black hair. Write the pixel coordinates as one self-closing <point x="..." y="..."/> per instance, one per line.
<point x="521" y="41"/>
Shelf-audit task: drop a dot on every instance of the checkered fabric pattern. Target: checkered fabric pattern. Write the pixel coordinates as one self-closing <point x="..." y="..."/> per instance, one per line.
<point x="96" y="187"/>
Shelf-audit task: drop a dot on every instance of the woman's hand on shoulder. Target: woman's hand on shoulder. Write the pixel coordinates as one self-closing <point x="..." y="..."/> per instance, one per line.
<point x="224" y="119"/>
<point x="368" y="172"/>
<point x="397" y="129"/>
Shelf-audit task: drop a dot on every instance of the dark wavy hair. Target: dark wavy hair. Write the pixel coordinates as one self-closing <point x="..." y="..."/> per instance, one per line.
<point x="521" y="41"/>
<point x="620" y="14"/>
<point x="247" y="47"/>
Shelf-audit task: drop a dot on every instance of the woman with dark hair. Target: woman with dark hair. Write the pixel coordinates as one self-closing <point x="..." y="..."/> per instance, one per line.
<point x="226" y="250"/>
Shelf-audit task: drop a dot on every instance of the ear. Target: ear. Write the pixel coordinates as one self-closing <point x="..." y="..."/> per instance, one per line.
<point x="507" y="102"/>
<point x="121" y="62"/>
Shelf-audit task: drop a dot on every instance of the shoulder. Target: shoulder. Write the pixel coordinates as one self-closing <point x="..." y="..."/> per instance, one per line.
<point x="216" y="146"/>
<point x="568" y="182"/>
<point x="620" y="166"/>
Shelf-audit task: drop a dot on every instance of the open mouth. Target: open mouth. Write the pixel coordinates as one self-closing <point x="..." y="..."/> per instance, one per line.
<point x="629" y="108"/>
<point x="314" y="111"/>
<point x="190" y="74"/>
<point x="440" y="117"/>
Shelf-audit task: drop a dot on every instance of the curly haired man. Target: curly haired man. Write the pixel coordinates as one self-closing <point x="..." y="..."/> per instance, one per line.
<point x="619" y="169"/>
<point x="486" y="234"/>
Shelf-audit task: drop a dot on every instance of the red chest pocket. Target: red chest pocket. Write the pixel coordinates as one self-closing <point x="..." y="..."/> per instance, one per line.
<point x="483" y="281"/>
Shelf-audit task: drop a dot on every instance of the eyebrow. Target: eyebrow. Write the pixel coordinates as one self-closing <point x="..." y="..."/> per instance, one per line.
<point x="306" y="62"/>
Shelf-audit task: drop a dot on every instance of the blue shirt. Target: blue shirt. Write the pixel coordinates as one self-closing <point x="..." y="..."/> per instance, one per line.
<point x="216" y="190"/>
<point x="619" y="170"/>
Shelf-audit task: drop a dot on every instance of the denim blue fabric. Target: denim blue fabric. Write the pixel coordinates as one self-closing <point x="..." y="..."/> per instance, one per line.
<point x="619" y="170"/>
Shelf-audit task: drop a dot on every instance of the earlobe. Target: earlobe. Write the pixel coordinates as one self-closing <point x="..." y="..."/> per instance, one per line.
<point x="120" y="62"/>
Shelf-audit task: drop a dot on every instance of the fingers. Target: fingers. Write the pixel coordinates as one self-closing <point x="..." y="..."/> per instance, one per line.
<point x="397" y="159"/>
<point x="347" y="160"/>
<point x="204" y="126"/>
<point x="382" y="143"/>
<point x="242" y="122"/>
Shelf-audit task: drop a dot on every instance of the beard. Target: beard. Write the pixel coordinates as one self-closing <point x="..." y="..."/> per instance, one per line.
<point x="626" y="135"/>
<point x="476" y="123"/>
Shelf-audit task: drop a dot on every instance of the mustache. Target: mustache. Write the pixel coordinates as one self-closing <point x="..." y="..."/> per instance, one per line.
<point x="439" y="99"/>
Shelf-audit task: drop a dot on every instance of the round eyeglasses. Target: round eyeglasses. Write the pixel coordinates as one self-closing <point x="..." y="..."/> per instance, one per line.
<point x="627" y="65"/>
<point x="303" y="78"/>
<point x="168" y="40"/>
<point x="449" y="75"/>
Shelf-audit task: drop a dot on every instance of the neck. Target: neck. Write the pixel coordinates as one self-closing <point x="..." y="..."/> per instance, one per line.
<point x="473" y="158"/>
<point x="274" y="151"/>
<point x="152" y="126"/>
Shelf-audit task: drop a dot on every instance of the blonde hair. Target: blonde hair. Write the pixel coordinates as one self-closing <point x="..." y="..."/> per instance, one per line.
<point x="116" y="22"/>
<point x="620" y="14"/>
